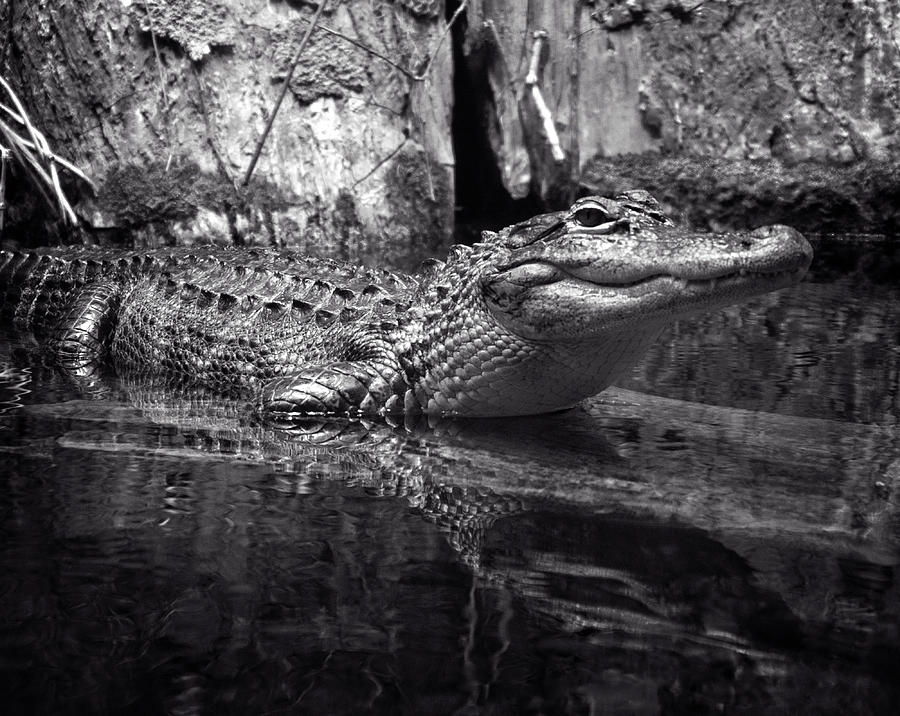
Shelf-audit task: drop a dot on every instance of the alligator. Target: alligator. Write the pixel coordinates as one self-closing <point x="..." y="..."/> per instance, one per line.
<point x="531" y="319"/>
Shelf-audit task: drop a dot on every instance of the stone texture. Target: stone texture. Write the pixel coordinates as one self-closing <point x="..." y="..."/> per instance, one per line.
<point x="89" y="72"/>
<point x="784" y="80"/>
<point x="792" y="80"/>
<point x="334" y="67"/>
<point x="721" y="193"/>
<point x="196" y="25"/>
<point x="423" y="8"/>
<point x="796" y="83"/>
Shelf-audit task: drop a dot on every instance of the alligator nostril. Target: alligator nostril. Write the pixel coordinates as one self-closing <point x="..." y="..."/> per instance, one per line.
<point x="745" y="244"/>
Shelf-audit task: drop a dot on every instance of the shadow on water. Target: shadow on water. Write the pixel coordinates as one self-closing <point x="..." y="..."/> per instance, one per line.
<point x="726" y="543"/>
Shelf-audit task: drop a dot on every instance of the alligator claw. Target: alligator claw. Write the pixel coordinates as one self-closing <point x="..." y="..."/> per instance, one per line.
<point x="336" y="389"/>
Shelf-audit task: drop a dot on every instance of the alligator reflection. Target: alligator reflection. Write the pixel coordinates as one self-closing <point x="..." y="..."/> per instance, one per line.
<point x="638" y="554"/>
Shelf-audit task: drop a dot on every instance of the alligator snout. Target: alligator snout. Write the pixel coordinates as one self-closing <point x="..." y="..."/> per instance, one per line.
<point x="783" y="248"/>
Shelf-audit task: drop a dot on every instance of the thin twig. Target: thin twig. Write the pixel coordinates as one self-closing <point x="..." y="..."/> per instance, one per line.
<point x="459" y="11"/>
<point x="365" y="48"/>
<point x="210" y="138"/>
<point x="431" y="194"/>
<point x="163" y="81"/>
<point x="284" y="89"/>
<point x="23" y="115"/>
<point x="531" y="81"/>
<point x="380" y="164"/>
<point x="423" y="75"/>
<point x="51" y="179"/>
<point x="159" y="64"/>
<point x="4" y="160"/>
<point x="30" y="145"/>
<point x="39" y="176"/>
<point x="498" y="46"/>
<point x="64" y="206"/>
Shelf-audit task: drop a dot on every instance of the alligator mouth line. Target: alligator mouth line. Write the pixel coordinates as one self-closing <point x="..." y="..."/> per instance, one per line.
<point x="710" y="282"/>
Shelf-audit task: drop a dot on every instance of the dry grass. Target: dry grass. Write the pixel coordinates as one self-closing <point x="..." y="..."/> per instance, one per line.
<point x="21" y="140"/>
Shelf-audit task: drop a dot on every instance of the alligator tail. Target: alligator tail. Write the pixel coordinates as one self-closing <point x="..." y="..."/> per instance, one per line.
<point x="66" y="300"/>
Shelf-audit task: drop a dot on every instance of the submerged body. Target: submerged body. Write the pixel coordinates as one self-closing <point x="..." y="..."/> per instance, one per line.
<point x="531" y="319"/>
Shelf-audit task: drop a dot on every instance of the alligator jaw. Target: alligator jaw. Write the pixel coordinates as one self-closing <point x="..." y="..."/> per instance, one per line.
<point x="743" y="282"/>
<point x="579" y="290"/>
<point x="763" y="254"/>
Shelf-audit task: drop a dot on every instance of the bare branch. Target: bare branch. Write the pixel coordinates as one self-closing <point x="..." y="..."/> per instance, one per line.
<point x="423" y="75"/>
<point x="365" y="48"/>
<point x="284" y="89"/>
<point x="4" y="160"/>
<point x="531" y="81"/>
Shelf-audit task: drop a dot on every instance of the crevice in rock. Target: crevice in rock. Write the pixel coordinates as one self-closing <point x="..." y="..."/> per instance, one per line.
<point x="482" y="201"/>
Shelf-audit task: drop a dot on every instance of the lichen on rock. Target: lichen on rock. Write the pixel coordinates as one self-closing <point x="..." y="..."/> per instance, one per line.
<point x="196" y="25"/>
<point x="619" y="14"/>
<point x="718" y="192"/>
<point x="422" y="8"/>
<point x="329" y="67"/>
<point x="135" y="196"/>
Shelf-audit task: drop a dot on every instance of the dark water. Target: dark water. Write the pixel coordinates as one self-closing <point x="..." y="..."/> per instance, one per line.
<point x="719" y="535"/>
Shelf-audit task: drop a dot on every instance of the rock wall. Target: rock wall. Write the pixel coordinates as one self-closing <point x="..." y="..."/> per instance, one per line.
<point x="163" y="104"/>
<point x="785" y="81"/>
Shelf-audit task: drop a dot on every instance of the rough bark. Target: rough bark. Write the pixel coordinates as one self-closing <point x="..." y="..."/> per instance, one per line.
<point x="163" y="104"/>
<point x="781" y="81"/>
<point x="360" y="160"/>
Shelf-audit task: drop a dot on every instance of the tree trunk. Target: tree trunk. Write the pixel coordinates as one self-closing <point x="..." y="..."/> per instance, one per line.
<point x="164" y="103"/>
<point x="778" y="81"/>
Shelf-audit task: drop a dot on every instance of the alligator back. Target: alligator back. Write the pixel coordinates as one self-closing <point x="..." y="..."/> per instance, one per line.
<point x="216" y="316"/>
<point x="38" y="288"/>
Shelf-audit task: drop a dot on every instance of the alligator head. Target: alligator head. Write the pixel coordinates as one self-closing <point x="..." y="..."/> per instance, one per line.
<point x="614" y="263"/>
<point x="552" y="310"/>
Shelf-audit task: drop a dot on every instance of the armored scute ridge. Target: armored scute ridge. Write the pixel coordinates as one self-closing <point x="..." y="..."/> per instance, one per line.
<point x="531" y="319"/>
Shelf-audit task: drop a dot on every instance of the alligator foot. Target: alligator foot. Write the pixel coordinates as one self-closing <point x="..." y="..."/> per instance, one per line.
<point x="347" y="388"/>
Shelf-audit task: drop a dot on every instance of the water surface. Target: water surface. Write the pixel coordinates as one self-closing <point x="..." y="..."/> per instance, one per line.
<point x="719" y="533"/>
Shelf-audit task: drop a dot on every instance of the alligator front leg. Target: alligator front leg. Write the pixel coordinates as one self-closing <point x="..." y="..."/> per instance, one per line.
<point x="346" y="388"/>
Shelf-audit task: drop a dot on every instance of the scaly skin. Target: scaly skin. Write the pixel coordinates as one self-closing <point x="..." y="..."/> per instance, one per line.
<point x="532" y="319"/>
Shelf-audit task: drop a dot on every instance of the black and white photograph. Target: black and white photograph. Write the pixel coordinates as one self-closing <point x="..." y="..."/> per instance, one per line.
<point x="449" y="357"/>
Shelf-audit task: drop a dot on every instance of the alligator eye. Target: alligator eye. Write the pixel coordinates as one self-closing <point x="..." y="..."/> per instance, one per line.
<point x="590" y="216"/>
